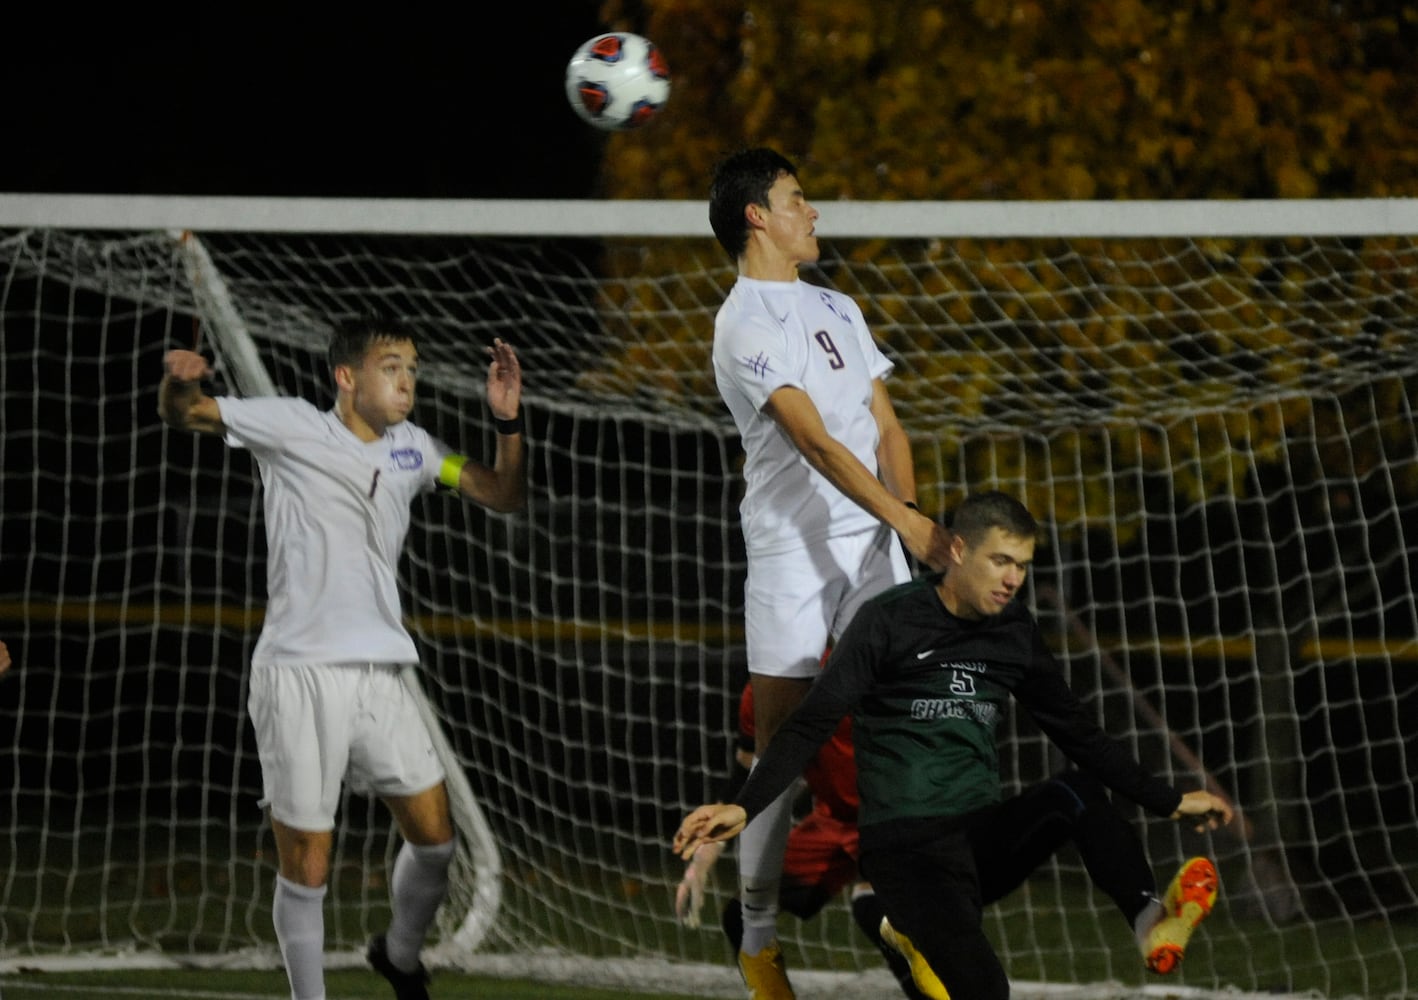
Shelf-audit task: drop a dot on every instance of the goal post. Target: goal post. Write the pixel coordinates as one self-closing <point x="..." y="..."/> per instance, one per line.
<point x="1209" y="406"/>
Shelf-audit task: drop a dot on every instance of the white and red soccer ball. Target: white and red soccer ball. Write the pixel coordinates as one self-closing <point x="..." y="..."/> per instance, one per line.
<point x="617" y="81"/>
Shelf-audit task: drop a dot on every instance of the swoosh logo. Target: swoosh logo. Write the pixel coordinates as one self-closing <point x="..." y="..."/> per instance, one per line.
<point x="929" y="652"/>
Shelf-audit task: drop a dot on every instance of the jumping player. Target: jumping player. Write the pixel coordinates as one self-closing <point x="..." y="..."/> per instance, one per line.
<point x="830" y="484"/>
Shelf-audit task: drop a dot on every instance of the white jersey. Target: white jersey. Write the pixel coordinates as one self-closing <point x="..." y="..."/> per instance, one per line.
<point x="337" y="512"/>
<point x="770" y="334"/>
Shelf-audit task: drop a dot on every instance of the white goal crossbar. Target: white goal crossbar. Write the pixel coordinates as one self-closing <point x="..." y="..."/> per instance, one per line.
<point x="639" y="218"/>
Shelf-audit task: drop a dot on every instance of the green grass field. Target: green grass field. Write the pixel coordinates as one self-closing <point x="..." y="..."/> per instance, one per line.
<point x="1313" y="961"/>
<point x="347" y="984"/>
<point x="1056" y="930"/>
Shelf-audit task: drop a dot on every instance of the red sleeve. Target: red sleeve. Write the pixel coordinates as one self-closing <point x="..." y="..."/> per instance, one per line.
<point x="746" y="730"/>
<point x="832" y="775"/>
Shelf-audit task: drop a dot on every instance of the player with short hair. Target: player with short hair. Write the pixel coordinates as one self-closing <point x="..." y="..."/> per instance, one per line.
<point x="326" y="698"/>
<point x="830" y="484"/>
<point x="927" y="670"/>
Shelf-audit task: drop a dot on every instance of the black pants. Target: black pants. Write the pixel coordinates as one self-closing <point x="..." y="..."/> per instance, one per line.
<point x="935" y="886"/>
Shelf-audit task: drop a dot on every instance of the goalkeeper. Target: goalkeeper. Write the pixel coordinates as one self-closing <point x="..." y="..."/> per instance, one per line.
<point x="927" y="670"/>
<point x="326" y="697"/>
<point x="823" y="848"/>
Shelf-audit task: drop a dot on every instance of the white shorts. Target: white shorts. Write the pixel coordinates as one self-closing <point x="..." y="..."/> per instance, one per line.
<point x="321" y="724"/>
<point x="794" y="600"/>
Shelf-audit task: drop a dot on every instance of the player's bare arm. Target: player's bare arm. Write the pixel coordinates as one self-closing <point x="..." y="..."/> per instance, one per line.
<point x="709" y="824"/>
<point x="795" y="413"/>
<point x="181" y="401"/>
<point x="1205" y="810"/>
<point x="501" y="486"/>
<point x="923" y="537"/>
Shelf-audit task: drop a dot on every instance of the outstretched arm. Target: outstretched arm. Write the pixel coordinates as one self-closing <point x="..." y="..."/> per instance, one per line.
<point x="181" y="401"/>
<point x="501" y="486"/>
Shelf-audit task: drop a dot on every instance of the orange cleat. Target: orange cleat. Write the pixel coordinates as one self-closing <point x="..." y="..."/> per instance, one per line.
<point x="1190" y="897"/>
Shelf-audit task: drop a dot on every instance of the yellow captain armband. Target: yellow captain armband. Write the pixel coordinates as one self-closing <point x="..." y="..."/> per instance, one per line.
<point x="452" y="470"/>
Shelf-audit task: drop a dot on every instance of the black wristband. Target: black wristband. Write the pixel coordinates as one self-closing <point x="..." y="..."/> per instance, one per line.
<point x="512" y="426"/>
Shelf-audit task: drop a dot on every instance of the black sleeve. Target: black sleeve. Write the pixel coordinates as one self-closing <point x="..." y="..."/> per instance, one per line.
<point x="1066" y="721"/>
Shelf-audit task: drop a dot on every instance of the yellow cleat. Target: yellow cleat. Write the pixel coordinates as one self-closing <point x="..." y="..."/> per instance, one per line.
<point x="1190" y="897"/>
<point x="925" y="979"/>
<point x="766" y="974"/>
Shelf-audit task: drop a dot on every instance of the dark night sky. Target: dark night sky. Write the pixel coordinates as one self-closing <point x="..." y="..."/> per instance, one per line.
<point x="466" y="105"/>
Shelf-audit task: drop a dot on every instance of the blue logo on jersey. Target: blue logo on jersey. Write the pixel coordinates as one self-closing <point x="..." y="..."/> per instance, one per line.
<point x="758" y="365"/>
<point x="406" y="459"/>
<point x="831" y="303"/>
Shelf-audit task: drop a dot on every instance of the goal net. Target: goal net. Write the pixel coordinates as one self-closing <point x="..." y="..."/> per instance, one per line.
<point x="1213" y="418"/>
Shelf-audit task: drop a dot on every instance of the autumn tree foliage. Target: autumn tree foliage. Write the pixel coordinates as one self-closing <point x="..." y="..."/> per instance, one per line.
<point x="1016" y="99"/>
<point x="1122" y="99"/>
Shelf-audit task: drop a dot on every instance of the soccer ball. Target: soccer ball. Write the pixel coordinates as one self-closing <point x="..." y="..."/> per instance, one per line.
<point x="617" y="81"/>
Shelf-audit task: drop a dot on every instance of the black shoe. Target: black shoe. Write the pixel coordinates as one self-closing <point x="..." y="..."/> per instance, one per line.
<point x="407" y="985"/>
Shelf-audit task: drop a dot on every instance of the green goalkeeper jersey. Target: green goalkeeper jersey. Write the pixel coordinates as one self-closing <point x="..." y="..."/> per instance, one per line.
<point x="927" y="692"/>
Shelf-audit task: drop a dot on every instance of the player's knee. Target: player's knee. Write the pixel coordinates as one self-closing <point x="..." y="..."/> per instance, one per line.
<point x="311" y="870"/>
<point x="433" y="858"/>
<point x="303" y="855"/>
<point x="1076" y="793"/>
<point x="423" y="818"/>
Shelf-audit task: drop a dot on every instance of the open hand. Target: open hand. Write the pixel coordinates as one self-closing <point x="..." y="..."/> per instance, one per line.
<point x="504" y="380"/>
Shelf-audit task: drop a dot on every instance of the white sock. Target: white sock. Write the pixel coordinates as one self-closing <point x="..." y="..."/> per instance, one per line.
<point x="761" y="847"/>
<point x="1150" y="916"/>
<point x="416" y="890"/>
<point x="299" y="915"/>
